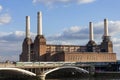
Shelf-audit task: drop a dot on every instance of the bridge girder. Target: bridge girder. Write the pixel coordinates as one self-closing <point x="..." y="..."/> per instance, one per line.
<point x="77" y="69"/>
<point x="20" y="71"/>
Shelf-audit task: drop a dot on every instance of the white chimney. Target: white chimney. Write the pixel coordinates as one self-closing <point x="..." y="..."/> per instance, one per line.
<point x="39" y="23"/>
<point x="27" y="26"/>
<point x="105" y="27"/>
<point x="91" y="31"/>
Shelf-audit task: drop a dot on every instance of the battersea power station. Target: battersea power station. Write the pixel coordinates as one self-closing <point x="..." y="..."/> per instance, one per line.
<point x="38" y="50"/>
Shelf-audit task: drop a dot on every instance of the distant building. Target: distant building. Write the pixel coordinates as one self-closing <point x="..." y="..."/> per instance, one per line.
<point x="38" y="50"/>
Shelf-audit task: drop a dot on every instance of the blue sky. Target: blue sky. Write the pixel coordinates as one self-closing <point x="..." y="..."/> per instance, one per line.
<point x="64" y="22"/>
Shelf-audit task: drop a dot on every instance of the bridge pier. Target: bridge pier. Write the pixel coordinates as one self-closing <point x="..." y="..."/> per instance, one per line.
<point x="41" y="77"/>
<point x="92" y="70"/>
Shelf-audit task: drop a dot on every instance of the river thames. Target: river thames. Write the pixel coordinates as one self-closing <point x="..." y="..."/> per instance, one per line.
<point x="72" y="79"/>
<point x="91" y="78"/>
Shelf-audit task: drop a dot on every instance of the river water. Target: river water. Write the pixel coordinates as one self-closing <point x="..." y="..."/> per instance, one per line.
<point x="92" y="78"/>
<point x="86" y="79"/>
<point x="100" y="77"/>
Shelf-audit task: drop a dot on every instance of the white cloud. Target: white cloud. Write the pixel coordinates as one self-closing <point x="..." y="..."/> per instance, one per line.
<point x="11" y="44"/>
<point x="82" y="32"/>
<point x="14" y="36"/>
<point x="85" y="1"/>
<point x="73" y="29"/>
<point x="52" y="2"/>
<point x="5" y="18"/>
<point x="1" y="8"/>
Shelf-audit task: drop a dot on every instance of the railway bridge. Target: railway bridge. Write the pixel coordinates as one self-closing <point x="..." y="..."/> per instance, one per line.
<point x="48" y="69"/>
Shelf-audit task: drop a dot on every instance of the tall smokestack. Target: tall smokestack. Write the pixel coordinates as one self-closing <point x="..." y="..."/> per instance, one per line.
<point x="39" y="23"/>
<point x="27" y="26"/>
<point x="91" y="31"/>
<point x="28" y="34"/>
<point x="105" y="27"/>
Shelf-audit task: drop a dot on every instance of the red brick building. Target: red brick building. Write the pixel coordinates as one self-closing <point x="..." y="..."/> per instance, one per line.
<point x="38" y="50"/>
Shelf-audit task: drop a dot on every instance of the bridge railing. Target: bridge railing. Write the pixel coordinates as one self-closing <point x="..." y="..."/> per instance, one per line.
<point x="6" y="65"/>
<point x="41" y="64"/>
<point x="44" y="64"/>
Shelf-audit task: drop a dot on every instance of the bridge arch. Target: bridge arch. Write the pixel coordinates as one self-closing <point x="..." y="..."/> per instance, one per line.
<point x="79" y="70"/>
<point x="21" y="71"/>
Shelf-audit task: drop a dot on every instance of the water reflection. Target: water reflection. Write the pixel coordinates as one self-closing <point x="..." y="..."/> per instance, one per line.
<point x="70" y="79"/>
<point x="87" y="79"/>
